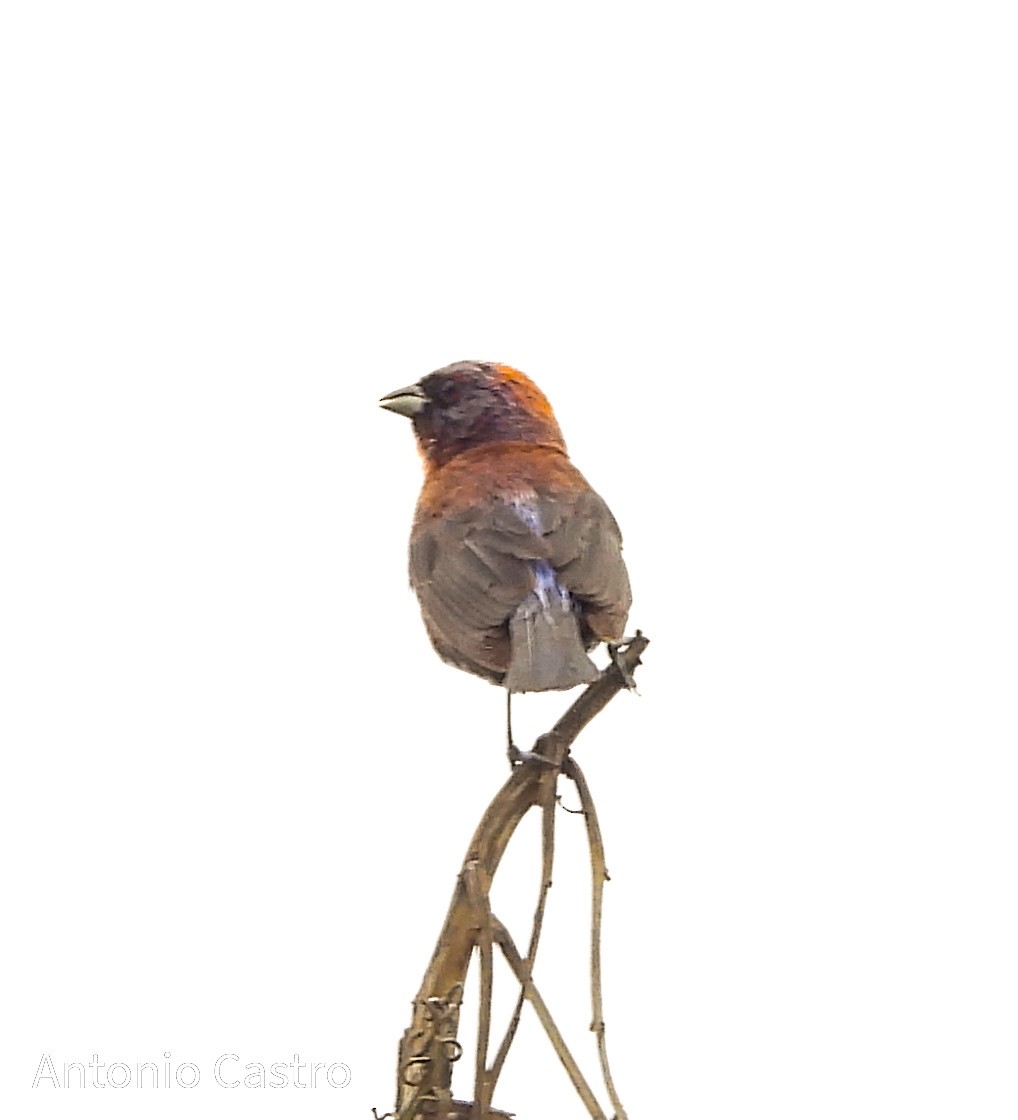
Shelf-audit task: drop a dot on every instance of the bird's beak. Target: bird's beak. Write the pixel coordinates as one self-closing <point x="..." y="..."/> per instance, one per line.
<point x="407" y="402"/>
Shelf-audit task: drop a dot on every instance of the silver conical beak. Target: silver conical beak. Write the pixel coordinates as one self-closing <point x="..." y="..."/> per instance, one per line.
<point x="407" y="402"/>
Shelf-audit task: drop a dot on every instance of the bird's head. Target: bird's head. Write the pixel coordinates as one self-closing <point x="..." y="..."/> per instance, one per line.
<point x="469" y="404"/>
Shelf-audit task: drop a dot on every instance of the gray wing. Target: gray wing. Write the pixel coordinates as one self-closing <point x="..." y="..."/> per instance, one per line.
<point x="585" y="548"/>
<point x="472" y="570"/>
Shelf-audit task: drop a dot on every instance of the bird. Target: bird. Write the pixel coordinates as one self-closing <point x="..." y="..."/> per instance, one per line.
<point x="515" y="560"/>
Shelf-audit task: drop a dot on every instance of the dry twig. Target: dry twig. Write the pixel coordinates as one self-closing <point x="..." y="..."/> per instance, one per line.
<point x="429" y="1047"/>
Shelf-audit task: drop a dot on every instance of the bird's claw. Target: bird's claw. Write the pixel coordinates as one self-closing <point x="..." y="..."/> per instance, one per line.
<point x="615" y="649"/>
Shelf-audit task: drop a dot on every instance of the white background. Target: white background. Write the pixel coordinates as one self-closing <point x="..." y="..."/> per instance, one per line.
<point x="761" y="258"/>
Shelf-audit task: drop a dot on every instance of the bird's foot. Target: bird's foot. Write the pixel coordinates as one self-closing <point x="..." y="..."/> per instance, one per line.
<point x="615" y="649"/>
<point x="516" y="756"/>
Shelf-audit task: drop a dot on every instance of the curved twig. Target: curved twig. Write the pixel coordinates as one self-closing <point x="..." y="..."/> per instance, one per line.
<point x="598" y="877"/>
<point x="547" y="861"/>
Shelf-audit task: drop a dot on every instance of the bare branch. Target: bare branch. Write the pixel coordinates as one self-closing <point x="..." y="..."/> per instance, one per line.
<point x="428" y="1047"/>
<point x="530" y="990"/>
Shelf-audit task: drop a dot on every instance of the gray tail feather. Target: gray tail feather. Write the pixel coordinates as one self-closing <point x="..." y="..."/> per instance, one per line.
<point x="546" y="652"/>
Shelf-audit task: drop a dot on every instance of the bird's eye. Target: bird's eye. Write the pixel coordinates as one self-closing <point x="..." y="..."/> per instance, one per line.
<point x="449" y="393"/>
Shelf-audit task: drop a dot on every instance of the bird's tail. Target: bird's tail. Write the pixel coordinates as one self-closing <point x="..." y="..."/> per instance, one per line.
<point x="546" y="652"/>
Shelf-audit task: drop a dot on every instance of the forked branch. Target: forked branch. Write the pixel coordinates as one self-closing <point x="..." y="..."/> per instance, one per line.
<point x="429" y="1047"/>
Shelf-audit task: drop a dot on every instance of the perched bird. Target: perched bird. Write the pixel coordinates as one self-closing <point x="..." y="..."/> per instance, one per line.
<point x="516" y="561"/>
